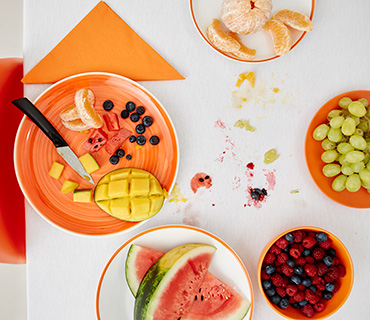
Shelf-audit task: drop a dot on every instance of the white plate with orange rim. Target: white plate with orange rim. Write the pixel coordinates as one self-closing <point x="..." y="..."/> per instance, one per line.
<point x="114" y="299"/>
<point x="204" y="11"/>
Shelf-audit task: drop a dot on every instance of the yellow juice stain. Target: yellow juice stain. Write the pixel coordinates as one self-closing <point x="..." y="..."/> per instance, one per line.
<point x="176" y="195"/>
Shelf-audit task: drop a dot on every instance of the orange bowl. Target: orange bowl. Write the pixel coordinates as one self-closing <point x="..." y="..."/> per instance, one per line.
<point x="313" y="151"/>
<point x="338" y="298"/>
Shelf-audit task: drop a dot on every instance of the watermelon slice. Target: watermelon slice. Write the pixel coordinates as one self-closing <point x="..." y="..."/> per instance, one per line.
<point x="168" y="289"/>
<point x="117" y="140"/>
<point x="224" y="303"/>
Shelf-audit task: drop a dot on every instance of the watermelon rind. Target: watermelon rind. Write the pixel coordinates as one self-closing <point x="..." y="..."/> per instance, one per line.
<point x="159" y="276"/>
<point x="130" y="273"/>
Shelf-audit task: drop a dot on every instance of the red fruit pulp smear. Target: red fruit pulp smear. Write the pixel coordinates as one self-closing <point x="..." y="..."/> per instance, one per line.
<point x="200" y="180"/>
<point x="250" y="165"/>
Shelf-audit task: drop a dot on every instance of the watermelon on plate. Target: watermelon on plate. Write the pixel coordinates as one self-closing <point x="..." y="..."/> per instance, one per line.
<point x="221" y="302"/>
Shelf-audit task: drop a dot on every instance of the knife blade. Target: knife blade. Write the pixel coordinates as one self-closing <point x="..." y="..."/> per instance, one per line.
<point x="30" y="110"/>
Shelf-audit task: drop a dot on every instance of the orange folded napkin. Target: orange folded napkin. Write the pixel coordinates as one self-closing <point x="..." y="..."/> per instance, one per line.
<point x="103" y="42"/>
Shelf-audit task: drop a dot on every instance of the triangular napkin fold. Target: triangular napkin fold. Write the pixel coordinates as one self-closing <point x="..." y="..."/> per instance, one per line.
<point x="102" y="42"/>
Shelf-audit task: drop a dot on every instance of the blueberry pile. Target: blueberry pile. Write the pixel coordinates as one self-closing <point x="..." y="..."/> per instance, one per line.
<point x="120" y="153"/>
<point x="258" y="194"/>
<point x="301" y="270"/>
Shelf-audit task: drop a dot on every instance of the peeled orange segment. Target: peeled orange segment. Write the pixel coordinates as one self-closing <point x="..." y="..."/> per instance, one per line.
<point x="294" y="20"/>
<point x="243" y="52"/>
<point x="71" y="112"/>
<point x="75" y="125"/>
<point x="220" y="39"/>
<point x="245" y="16"/>
<point x="86" y="110"/>
<point x="280" y="35"/>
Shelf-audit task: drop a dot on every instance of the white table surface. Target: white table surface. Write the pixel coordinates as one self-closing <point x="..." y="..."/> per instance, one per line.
<point x="64" y="269"/>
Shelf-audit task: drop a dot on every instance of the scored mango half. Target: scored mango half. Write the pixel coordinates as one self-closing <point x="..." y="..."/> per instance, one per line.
<point x="130" y="194"/>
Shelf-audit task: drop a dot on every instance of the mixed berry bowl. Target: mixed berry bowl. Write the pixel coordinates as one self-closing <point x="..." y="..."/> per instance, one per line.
<point x="305" y="272"/>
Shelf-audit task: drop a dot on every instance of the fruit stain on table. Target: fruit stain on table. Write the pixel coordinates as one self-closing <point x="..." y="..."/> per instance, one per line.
<point x="176" y="195"/>
<point x="200" y="180"/>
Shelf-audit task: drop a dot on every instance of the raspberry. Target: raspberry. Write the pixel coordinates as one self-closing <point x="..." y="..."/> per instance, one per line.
<point x="282" y="243"/>
<point x="291" y="290"/>
<point x="275" y="250"/>
<point x="298" y="236"/>
<point x="301" y="287"/>
<point x="341" y="271"/>
<point x="264" y="275"/>
<point x="309" y="242"/>
<point x="307" y="310"/>
<point x="320" y="306"/>
<point x="288" y="271"/>
<point x="285" y="281"/>
<point x="322" y="268"/>
<point x="277" y="280"/>
<point x="280" y="291"/>
<point x="311" y="297"/>
<point x="332" y="274"/>
<point x="291" y="300"/>
<point x="318" y="253"/>
<point x="299" y="296"/>
<point x="326" y="244"/>
<point x="336" y="261"/>
<point x="300" y="261"/>
<point x="269" y="258"/>
<point x="282" y="258"/>
<point x="296" y="250"/>
<point x="310" y="260"/>
<point x="316" y="280"/>
<point x="336" y="286"/>
<point x="310" y="269"/>
<point x="311" y="234"/>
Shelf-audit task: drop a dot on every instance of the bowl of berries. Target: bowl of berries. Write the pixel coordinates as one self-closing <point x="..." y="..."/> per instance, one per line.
<point x="305" y="272"/>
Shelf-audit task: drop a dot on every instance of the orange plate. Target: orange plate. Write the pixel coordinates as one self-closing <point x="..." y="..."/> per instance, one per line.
<point x="313" y="151"/>
<point x="35" y="153"/>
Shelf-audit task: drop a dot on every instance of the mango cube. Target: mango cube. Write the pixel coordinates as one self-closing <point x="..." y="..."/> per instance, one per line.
<point x="89" y="163"/>
<point x="69" y="186"/>
<point x="82" y="195"/>
<point x="118" y="189"/>
<point x="139" y="187"/>
<point x="56" y="170"/>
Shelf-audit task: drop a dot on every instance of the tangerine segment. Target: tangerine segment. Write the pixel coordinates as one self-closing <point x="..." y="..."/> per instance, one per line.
<point x="220" y="39"/>
<point x="71" y="113"/>
<point x="86" y="111"/>
<point x="280" y="35"/>
<point x="245" y="16"/>
<point x="294" y="20"/>
<point x="243" y="52"/>
<point x="75" y="125"/>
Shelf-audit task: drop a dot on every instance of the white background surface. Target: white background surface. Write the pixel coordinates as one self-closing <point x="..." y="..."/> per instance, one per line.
<point x="63" y="269"/>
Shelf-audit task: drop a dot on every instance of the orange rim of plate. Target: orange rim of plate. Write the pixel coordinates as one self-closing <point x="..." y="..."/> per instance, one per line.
<point x="238" y="59"/>
<point x="169" y="227"/>
<point x="313" y="151"/>
<point x="34" y="153"/>
<point x="347" y="280"/>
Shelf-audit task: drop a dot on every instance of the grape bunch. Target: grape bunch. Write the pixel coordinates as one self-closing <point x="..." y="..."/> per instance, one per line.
<point x="346" y="143"/>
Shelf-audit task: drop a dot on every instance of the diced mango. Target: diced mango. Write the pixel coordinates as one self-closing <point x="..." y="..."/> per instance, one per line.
<point x="56" y="170"/>
<point x="89" y="163"/>
<point x="118" y="189"/>
<point x="119" y="176"/>
<point x="155" y="187"/>
<point x="139" y="187"/>
<point x="101" y="192"/>
<point x="139" y="174"/>
<point x="82" y="195"/>
<point x="105" y="205"/>
<point x="140" y="208"/>
<point x="120" y="208"/>
<point x="69" y="186"/>
<point x="156" y="203"/>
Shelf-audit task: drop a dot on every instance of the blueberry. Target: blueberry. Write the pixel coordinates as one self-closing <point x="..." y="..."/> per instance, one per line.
<point x="302" y="303"/>
<point x="124" y="114"/>
<point x="114" y="159"/>
<point x="154" y="140"/>
<point x="327" y="295"/>
<point x="134" y="117"/>
<point x="264" y="191"/>
<point x="140" y="129"/>
<point x="321" y="237"/>
<point x="291" y="263"/>
<point x="140" y="110"/>
<point x="295" y="305"/>
<point x="120" y="153"/>
<point x="312" y="288"/>
<point x="266" y="284"/>
<point x="306" y="282"/>
<point x="147" y="121"/>
<point x="140" y="140"/>
<point x="284" y="303"/>
<point x="289" y="237"/>
<point x="108" y="105"/>
<point x="330" y="287"/>
<point x="286" y="249"/>
<point x="129" y="157"/>
<point x="328" y="261"/>
<point x="306" y="252"/>
<point x="255" y="195"/>
<point x="132" y="139"/>
<point x="130" y="106"/>
<point x="270" y="292"/>
<point x="295" y="279"/>
<point x="275" y="299"/>
<point x="270" y="269"/>
<point x="330" y="252"/>
<point x="298" y="270"/>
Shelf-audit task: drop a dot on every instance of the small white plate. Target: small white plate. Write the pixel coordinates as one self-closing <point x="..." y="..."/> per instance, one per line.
<point x="203" y="11"/>
<point x="114" y="300"/>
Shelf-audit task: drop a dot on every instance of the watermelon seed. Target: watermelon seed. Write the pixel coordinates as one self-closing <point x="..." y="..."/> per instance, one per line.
<point x="201" y="297"/>
<point x="195" y="298"/>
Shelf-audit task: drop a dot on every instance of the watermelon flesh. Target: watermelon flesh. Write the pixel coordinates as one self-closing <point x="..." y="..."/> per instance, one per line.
<point x="213" y="301"/>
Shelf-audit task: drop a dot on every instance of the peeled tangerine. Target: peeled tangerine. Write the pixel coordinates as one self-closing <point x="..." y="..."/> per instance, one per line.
<point x="280" y="35"/>
<point x="130" y="194"/>
<point x="294" y="20"/>
<point x="86" y="110"/>
<point x="220" y="39"/>
<point x="243" y="52"/>
<point x="245" y="16"/>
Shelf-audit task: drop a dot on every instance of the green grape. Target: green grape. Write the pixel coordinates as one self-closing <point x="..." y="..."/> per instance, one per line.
<point x="353" y="183"/>
<point x="358" y="166"/>
<point x="347" y="170"/>
<point x="335" y="135"/>
<point x="320" y="132"/>
<point x="355" y="156"/>
<point x="363" y="125"/>
<point x="364" y="102"/>
<point x="357" y="120"/>
<point x="357" y="109"/>
<point x="358" y="142"/>
<point x="328" y="145"/>
<point x="342" y="160"/>
<point x="344" y="147"/>
<point x="336" y="122"/>
<point x="349" y="126"/>
<point x="329" y="156"/>
<point x="344" y="102"/>
<point x="334" y="113"/>
<point x="367" y="158"/>
<point x="365" y="176"/>
<point x="339" y="183"/>
<point x="331" y="170"/>
<point x="359" y="132"/>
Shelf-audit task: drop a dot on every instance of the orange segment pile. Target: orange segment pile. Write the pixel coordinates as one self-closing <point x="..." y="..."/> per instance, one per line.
<point x="294" y="20"/>
<point x="220" y="39"/>
<point x="280" y="35"/>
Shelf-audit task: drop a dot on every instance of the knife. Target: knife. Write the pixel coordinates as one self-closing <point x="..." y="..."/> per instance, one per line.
<point x="30" y="110"/>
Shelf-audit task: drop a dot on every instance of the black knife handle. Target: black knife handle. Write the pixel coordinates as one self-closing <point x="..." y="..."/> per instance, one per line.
<point x="30" y="110"/>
